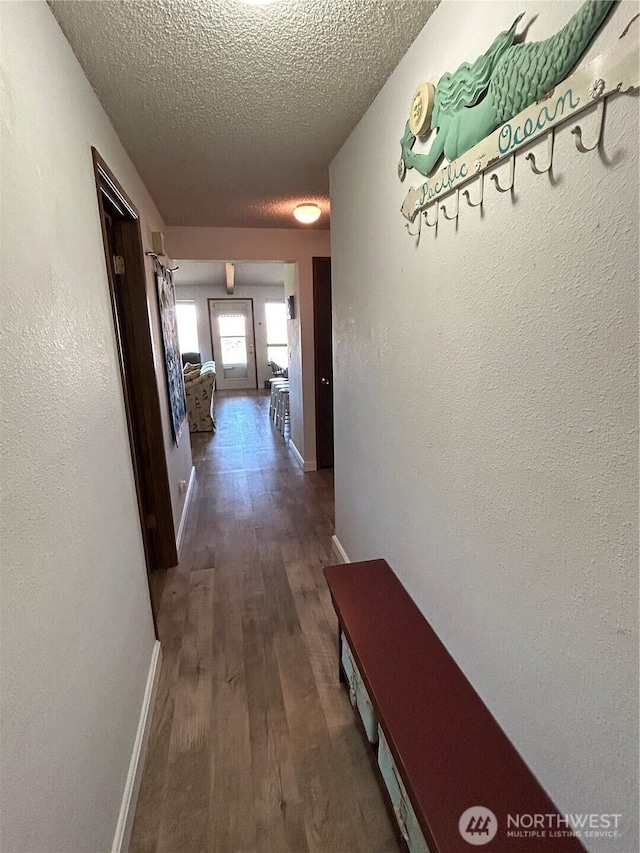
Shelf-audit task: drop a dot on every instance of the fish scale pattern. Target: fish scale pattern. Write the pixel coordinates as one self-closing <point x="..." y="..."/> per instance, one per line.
<point x="527" y="72"/>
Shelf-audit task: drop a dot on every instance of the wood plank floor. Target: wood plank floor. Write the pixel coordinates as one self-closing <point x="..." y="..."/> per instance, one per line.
<point x="253" y="747"/>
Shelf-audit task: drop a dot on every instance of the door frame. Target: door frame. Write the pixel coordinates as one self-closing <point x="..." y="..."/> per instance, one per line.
<point x="134" y="345"/>
<point x="220" y="367"/>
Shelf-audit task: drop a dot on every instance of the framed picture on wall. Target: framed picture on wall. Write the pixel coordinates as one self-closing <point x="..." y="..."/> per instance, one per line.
<point x="172" y="360"/>
<point x="291" y="307"/>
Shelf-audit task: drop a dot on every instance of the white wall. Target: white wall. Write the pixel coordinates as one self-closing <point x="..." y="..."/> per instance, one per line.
<point x="274" y="244"/>
<point x="77" y="632"/>
<point x="200" y="294"/>
<point x="486" y="416"/>
<point x="300" y="411"/>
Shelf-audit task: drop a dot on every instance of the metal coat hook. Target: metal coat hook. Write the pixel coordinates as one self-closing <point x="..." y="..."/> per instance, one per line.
<point x="531" y="157"/>
<point x="157" y="257"/>
<point x="467" y="195"/>
<point x="433" y="224"/>
<point x="457" y="211"/>
<point x="415" y="233"/>
<point x="512" y="174"/>
<point x="577" y="131"/>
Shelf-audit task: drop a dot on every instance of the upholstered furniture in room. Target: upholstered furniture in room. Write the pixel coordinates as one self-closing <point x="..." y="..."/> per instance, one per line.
<point x="199" y="383"/>
<point x="193" y="357"/>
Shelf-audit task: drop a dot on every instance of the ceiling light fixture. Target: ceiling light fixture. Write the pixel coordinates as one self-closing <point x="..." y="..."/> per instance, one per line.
<point x="307" y="213"/>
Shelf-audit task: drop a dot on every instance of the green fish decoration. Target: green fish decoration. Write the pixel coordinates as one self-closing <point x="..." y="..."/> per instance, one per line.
<point x="479" y="97"/>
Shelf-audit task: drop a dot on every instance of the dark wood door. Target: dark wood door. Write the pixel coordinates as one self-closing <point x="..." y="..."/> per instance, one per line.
<point x="128" y="288"/>
<point x="322" y="327"/>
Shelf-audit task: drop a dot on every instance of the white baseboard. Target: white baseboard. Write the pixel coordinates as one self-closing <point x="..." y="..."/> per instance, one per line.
<point x="185" y="510"/>
<point x="338" y="550"/>
<point x="311" y="465"/>
<point x="134" y="777"/>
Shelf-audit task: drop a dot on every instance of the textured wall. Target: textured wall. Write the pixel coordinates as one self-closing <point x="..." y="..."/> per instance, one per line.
<point x="298" y="421"/>
<point x="273" y="244"/>
<point x="77" y="633"/>
<point x="487" y="412"/>
<point x="200" y="294"/>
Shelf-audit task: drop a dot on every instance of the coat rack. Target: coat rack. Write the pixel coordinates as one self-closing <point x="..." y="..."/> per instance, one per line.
<point x="157" y="258"/>
<point x="612" y="73"/>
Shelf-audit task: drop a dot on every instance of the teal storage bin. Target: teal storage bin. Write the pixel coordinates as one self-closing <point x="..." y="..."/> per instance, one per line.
<point x="349" y="668"/>
<point x="402" y="808"/>
<point x="357" y="692"/>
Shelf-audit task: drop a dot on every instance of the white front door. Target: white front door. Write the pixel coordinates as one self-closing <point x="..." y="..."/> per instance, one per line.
<point x="231" y="322"/>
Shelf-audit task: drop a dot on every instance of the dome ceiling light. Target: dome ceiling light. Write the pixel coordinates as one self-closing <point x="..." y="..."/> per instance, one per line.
<point x="307" y="213"/>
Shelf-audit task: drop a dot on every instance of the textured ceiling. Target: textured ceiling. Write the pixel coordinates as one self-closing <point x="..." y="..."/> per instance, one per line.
<point x="213" y="273"/>
<point x="232" y="113"/>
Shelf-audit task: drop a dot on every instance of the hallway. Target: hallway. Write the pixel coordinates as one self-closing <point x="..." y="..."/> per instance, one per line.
<point x="253" y="747"/>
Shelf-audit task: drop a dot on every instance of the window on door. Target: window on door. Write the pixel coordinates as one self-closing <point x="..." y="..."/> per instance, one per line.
<point x="276" y="318"/>
<point x="232" y="329"/>
<point x="187" y="321"/>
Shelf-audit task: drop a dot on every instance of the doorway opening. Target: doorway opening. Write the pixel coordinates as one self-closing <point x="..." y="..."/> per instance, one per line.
<point x="124" y="257"/>
<point x="244" y="336"/>
<point x="262" y="327"/>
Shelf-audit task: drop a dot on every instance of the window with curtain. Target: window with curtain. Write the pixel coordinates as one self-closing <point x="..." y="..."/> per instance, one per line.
<point x="276" y="318"/>
<point x="187" y="321"/>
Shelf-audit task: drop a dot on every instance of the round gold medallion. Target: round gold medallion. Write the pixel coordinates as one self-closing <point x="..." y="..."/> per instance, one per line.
<point x="421" y="109"/>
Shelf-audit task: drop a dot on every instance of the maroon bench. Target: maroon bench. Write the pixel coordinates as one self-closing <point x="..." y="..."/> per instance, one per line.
<point x="449" y="751"/>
